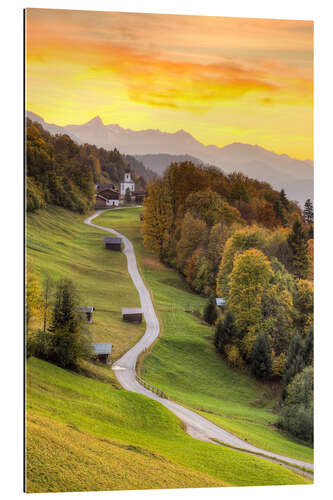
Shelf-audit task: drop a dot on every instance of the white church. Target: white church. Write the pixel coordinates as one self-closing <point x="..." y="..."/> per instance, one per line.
<point x="127" y="183"/>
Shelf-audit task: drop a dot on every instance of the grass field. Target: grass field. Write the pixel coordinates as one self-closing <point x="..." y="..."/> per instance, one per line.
<point x="184" y="364"/>
<point x="61" y="245"/>
<point x="83" y="434"/>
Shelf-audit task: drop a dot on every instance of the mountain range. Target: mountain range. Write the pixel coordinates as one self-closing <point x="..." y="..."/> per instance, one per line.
<point x="157" y="149"/>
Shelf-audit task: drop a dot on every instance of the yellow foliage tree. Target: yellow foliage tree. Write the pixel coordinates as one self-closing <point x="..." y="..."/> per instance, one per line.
<point x="33" y="299"/>
<point x="249" y="282"/>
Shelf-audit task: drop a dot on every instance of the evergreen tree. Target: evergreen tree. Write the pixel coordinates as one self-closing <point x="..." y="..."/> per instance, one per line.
<point x="295" y="361"/>
<point x="210" y="313"/>
<point x="308" y="348"/>
<point x="128" y="197"/>
<point x="284" y="199"/>
<point x="297" y="241"/>
<point x="225" y="332"/>
<point x="308" y="211"/>
<point x="69" y="338"/>
<point x="261" y="357"/>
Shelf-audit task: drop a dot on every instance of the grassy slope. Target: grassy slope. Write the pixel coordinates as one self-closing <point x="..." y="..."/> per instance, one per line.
<point x="129" y="441"/>
<point x="58" y="243"/>
<point x="185" y="364"/>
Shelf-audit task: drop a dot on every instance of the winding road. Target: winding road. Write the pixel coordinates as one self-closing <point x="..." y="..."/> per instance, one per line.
<point x="196" y="425"/>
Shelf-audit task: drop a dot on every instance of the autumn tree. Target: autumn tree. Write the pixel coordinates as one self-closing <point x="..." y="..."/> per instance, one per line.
<point x="261" y="358"/>
<point x="297" y="241"/>
<point x="47" y="300"/>
<point x="193" y="235"/>
<point x="249" y="283"/>
<point x="33" y="298"/>
<point x="158" y="218"/>
<point x="241" y="240"/>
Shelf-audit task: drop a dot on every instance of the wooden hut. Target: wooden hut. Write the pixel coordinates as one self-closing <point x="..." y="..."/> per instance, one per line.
<point x="220" y="302"/>
<point x="102" y="352"/>
<point x="88" y="312"/>
<point x="132" y="314"/>
<point x="112" y="243"/>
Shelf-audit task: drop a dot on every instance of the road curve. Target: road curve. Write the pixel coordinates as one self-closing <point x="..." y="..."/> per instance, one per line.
<point x="196" y="425"/>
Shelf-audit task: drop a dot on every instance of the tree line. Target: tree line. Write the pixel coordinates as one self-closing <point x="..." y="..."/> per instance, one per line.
<point x="238" y="239"/>
<point x="63" y="173"/>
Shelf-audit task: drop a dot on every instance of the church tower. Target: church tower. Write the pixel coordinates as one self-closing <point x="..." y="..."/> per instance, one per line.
<point x="127" y="183"/>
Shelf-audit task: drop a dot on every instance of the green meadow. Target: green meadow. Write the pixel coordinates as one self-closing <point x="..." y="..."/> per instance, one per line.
<point x="185" y="365"/>
<point x="60" y="245"/>
<point x="114" y="439"/>
<point x="85" y="432"/>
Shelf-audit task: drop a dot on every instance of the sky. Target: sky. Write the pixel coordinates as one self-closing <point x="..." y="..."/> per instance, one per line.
<point x="223" y="80"/>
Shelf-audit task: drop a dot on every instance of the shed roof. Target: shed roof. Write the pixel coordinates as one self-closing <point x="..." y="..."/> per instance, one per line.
<point x="109" y="240"/>
<point x="89" y="309"/>
<point x="102" y="348"/>
<point x="131" y="310"/>
<point x="220" y="301"/>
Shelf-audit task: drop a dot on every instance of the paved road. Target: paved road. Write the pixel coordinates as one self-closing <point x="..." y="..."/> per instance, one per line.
<point x="196" y="425"/>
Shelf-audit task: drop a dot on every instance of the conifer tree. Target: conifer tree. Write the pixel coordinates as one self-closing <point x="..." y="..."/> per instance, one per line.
<point x="225" y="332"/>
<point x="284" y="199"/>
<point x="295" y="361"/>
<point x="128" y="197"/>
<point x="261" y="357"/>
<point x="308" y="211"/>
<point x="69" y="338"/>
<point x="210" y="313"/>
<point x="297" y="241"/>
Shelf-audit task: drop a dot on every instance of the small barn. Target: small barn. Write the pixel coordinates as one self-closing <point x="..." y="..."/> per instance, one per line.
<point x="88" y="312"/>
<point x="112" y="243"/>
<point x="220" y="302"/>
<point x="102" y="352"/>
<point x="132" y="314"/>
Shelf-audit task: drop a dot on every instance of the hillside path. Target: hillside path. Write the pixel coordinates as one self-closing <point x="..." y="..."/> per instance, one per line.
<point x="196" y="426"/>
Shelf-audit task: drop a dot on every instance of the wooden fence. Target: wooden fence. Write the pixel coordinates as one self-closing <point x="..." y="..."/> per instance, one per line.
<point x="151" y="388"/>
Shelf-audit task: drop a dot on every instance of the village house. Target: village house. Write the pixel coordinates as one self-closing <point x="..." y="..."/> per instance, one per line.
<point x="132" y="314"/>
<point x="112" y="243"/>
<point x="102" y="352"/>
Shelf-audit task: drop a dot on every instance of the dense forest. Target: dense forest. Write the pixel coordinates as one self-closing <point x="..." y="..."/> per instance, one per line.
<point x="61" y="172"/>
<point x="239" y="239"/>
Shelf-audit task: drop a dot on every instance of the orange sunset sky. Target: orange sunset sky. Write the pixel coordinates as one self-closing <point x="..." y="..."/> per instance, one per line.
<point x="221" y="79"/>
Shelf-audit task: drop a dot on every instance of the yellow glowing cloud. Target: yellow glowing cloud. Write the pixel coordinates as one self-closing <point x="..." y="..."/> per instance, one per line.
<point x="253" y="77"/>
